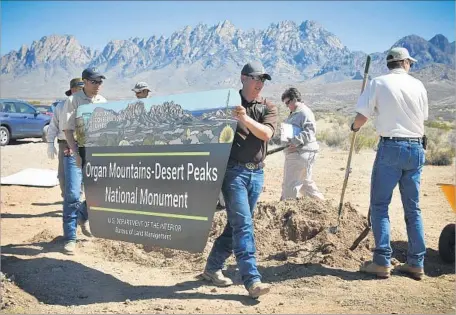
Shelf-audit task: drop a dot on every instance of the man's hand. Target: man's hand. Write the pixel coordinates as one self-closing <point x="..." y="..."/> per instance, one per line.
<point x="240" y="113"/>
<point x="352" y="128"/>
<point x="69" y="152"/>
<point x="51" y="151"/>
<point x="291" y="147"/>
<point x="360" y="120"/>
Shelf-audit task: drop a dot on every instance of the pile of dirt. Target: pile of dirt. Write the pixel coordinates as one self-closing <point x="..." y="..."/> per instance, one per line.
<point x="294" y="230"/>
<point x="44" y="236"/>
<point x="298" y="231"/>
<point x="7" y="299"/>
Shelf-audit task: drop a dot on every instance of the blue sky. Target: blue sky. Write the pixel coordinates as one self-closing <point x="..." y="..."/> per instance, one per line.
<point x="370" y="26"/>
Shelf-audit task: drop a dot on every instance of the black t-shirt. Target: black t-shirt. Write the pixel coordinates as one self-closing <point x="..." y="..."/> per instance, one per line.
<point x="246" y="146"/>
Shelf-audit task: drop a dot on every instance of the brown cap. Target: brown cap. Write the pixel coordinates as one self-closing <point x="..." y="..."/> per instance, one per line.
<point x="74" y="83"/>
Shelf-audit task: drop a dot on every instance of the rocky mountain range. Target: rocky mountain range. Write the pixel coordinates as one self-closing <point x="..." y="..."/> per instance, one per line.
<point x="206" y="57"/>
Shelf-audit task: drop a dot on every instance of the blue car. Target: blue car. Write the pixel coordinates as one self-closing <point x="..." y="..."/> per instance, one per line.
<point x="19" y="120"/>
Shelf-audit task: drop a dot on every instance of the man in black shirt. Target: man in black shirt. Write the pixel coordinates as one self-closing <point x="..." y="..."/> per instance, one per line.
<point x="243" y="183"/>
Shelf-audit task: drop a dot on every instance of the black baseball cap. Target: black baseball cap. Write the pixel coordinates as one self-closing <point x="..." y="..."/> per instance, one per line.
<point x="255" y="68"/>
<point x="92" y="74"/>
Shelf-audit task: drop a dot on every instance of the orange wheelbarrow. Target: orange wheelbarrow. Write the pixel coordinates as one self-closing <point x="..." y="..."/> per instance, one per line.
<point x="447" y="237"/>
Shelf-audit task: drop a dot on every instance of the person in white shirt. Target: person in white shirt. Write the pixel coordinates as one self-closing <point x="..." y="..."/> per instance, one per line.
<point x="399" y="104"/>
<point x="75" y="211"/>
<point x="302" y="149"/>
<point x="55" y="130"/>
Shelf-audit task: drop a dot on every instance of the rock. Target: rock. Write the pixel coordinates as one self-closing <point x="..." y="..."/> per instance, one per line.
<point x="214" y="290"/>
<point x="158" y="308"/>
<point x="281" y="303"/>
<point x="127" y="301"/>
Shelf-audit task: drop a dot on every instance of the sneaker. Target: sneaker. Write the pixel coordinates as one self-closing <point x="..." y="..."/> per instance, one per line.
<point x="416" y="273"/>
<point x="258" y="289"/>
<point x="69" y="248"/>
<point x="217" y="278"/>
<point x="377" y="270"/>
<point x="85" y="227"/>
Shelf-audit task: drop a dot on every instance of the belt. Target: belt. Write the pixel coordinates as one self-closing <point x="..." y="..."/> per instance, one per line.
<point x="61" y="141"/>
<point x="402" y="139"/>
<point x="249" y="165"/>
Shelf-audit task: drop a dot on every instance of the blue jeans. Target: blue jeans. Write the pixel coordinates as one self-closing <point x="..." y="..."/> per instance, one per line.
<point x="72" y="206"/>
<point x="241" y="189"/>
<point x="397" y="162"/>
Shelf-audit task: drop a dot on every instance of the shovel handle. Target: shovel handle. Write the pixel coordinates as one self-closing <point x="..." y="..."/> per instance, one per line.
<point x="352" y="143"/>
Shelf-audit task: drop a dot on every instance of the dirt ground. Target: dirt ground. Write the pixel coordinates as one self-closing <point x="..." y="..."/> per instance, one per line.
<point x="311" y="271"/>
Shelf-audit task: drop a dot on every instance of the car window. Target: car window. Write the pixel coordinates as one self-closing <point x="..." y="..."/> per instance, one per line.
<point x="42" y="109"/>
<point x="9" y="107"/>
<point x="24" y="108"/>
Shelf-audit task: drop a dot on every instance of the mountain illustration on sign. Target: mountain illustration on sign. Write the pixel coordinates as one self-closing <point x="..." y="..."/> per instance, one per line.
<point x="166" y="123"/>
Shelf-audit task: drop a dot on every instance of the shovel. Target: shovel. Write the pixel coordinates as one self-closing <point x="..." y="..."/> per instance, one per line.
<point x="364" y="233"/>
<point x="275" y="150"/>
<point x="334" y="229"/>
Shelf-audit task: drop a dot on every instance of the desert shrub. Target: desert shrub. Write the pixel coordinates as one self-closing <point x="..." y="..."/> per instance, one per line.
<point x="365" y="142"/>
<point x="366" y="138"/>
<point x="340" y="136"/>
<point x="440" y="149"/>
<point x="439" y="157"/>
<point x="334" y="137"/>
<point x="439" y="125"/>
<point x="343" y="120"/>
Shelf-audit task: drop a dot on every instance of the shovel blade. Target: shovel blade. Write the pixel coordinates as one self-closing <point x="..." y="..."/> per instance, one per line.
<point x="360" y="238"/>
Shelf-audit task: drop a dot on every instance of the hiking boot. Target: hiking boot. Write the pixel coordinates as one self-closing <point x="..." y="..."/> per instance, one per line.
<point x="258" y="289"/>
<point x="416" y="273"/>
<point x="85" y="228"/>
<point x="217" y="278"/>
<point x="377" y="270"/>
<point x="69" y="248"/>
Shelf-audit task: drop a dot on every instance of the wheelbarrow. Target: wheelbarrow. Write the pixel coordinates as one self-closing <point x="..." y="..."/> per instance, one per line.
<point x="447" y="237"/>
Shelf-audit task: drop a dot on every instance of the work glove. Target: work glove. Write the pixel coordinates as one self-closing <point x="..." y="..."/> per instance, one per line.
<point x="51" y="151"/>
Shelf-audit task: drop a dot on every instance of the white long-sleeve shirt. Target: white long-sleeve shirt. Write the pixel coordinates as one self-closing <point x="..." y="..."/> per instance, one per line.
<point x="57" y="123"/>
<point x="399" y="103"/>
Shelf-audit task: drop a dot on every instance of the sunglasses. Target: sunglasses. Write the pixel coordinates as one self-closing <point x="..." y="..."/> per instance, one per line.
<point x="95" y="82"/>
<point x="257" y="78"/>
